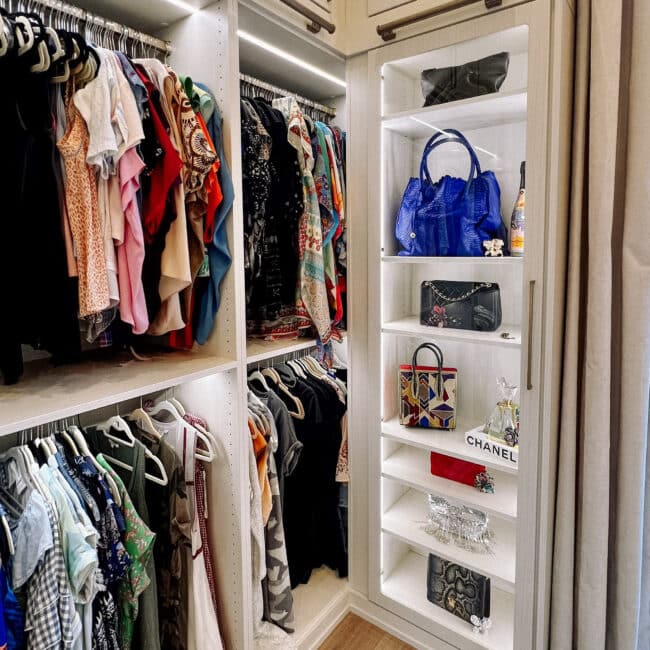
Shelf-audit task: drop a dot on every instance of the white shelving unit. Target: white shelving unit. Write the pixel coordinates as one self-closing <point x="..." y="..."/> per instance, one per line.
<point x="504" y="128"/>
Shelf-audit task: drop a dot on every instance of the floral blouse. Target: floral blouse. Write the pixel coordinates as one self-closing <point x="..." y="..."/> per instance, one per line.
<point x="138" y="541"/>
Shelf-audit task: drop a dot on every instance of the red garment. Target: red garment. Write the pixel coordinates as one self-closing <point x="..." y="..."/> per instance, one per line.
<point x="212" y="188"/>
<point x="165" y="174"/>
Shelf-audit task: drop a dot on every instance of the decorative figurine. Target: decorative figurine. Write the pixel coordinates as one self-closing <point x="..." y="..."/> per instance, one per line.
<point x="493" y="247"/>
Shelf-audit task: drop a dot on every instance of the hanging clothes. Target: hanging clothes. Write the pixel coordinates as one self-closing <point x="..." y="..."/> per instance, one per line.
<point x="126" y="191"/>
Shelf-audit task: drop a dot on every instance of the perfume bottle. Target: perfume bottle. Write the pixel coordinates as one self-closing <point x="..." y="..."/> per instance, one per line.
<point x="518" y="221"/>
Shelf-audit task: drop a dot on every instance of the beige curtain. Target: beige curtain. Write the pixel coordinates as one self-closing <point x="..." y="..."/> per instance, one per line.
<point x="601" y="550"/>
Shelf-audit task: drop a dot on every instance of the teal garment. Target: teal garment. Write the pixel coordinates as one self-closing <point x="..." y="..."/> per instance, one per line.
<point x="323" y="178"/>
<point x="80" y="557"/>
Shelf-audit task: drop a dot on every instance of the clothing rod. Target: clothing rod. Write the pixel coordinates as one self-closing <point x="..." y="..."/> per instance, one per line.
<point x="88" y="18"/>
<point x="282" y="92"/>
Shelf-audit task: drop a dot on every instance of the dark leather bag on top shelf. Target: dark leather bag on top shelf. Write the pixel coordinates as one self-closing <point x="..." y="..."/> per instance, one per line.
<point x="442" y="85"/>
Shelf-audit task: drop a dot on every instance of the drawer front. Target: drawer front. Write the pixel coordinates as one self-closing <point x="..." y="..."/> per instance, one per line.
<point x="364" y="17"/>
<point x="379" y="6"/>
<point x="324" y="8"/>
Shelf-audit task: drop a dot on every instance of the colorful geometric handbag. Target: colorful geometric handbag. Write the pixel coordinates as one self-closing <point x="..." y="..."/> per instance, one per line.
<point x="428" y="394"/>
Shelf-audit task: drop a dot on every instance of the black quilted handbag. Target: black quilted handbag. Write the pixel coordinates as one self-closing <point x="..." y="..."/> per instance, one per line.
<point x="458" y="590"/>
<point x="441" y="85"/>
<point x="461" y="305"/>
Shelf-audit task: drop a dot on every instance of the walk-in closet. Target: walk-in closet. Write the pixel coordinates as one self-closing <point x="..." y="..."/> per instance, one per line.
<point x="255" y="310"/>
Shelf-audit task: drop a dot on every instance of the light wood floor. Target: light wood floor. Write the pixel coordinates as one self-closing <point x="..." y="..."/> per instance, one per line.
<point x="353" y="633"/>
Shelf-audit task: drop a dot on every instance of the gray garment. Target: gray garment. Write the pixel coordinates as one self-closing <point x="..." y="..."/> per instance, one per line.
<point x="147" y="634"/>
<point x="276" y="588"/>
<point x="289" y="448"/>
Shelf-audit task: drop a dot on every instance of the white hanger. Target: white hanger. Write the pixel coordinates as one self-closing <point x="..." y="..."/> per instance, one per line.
<point x="144" y="421"/>
<point x="24" y="45"/>
<point x="44" y="61"/>
<point x="4" y="42"/>
<point x="119" y="424"/>
<point x="297" y="368"/>
<point x="68" y="439"/>
<point x="59" y="50"/>
<point x="85" y="451"/>
<point x="179" y="407"/>
<point x="10" y="541"/>
<point x="256" y="374"/>
<point x="167" y="406"/>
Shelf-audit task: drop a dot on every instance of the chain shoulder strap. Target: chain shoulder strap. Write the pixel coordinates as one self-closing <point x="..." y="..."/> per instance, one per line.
<point x="432" y="285"/>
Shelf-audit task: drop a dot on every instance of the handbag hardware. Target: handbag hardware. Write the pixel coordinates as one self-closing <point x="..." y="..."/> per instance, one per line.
<point x="438" y="354"/>
<point x="465" y="296"/>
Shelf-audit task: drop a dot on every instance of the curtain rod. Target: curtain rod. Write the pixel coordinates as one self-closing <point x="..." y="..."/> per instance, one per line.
<point x="93" y="19"/>
<point x="282" y="92"/>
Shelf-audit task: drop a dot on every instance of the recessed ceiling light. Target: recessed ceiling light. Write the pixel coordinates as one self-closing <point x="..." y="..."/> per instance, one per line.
<point x="183" y="5"/>
<point x="290" y="57"/>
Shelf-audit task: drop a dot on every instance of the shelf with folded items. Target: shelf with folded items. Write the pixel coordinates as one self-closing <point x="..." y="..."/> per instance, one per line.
<point x="406" y="519"/>
<point x="479" y="112"/>
<point x="412" y="467"/>
<point x="46" y="393"/>
<point x="411" y="326"/>
<point x="450" y="443"/>
<point x="401" y="587"/>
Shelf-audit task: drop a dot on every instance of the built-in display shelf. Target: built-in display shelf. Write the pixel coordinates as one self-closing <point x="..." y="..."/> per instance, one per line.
<point x="463" y="115"/>
<point x="410" y="326"/>
<point x="450" y="443"/>
<point x="407" y="520"/>
<point x="406" y="585"/>
<point x="412" y="467"/>
<point x="508" y="261"/>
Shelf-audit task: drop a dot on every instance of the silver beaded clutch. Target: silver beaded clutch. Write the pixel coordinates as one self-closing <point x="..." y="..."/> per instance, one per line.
<point x="465" y="527"/>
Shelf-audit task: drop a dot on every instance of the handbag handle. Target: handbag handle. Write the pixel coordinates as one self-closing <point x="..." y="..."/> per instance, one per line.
<point x="439" y="139"/>
<point x="414" y="362"/>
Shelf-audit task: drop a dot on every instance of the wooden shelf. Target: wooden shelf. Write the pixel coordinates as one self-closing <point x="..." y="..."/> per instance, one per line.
<point x="410" y="326"/>
<point x="451" y="443"/>
<point x="402" y="584"/>
<point x="258" y="350"/>
<point x="407" y="519"/>
<point x="464" y="115"/>
<point x="509" y="262"/>
<point x="412" y="467"/>
<point x="46" y="393"/>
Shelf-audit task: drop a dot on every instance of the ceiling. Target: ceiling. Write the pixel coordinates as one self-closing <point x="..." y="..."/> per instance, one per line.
<point x="151" y="16"/>
<point x="145" y="15"/>
<point x="259" y="63"/>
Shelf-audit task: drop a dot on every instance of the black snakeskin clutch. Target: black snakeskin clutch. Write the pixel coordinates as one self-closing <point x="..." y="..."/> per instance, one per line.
<point x="458" y="590"/>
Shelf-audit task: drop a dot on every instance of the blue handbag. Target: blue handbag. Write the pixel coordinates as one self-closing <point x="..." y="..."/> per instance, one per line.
<point x="451" y="217"/>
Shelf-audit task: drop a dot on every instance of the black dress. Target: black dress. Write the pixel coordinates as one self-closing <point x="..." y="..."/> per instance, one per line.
<point x="40" y="301"/>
